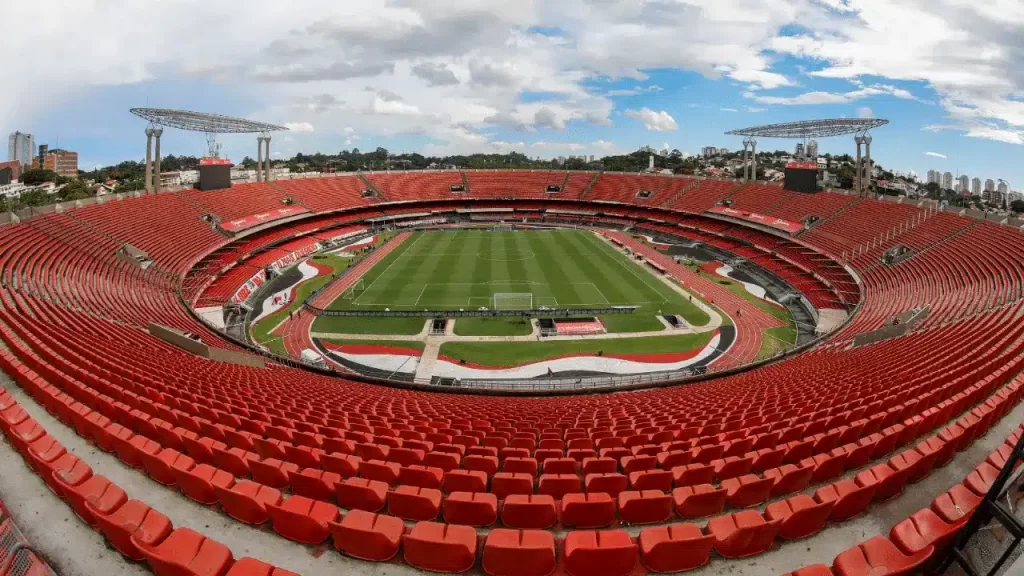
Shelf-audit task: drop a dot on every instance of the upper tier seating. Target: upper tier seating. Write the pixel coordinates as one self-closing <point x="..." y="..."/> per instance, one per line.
<point x="239" y="200"/>
<point x="405" y="186"/>
<point x="625" y="187"/>
<point x="515" y="184"/>
<point x="704" y="195"/>
<point x="760" y="198"/>
<point x="321" y="194"/>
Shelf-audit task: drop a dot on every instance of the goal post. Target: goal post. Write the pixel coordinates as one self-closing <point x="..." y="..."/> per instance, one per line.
<point x="354" y="290"/>
<point x="513" y="300"/>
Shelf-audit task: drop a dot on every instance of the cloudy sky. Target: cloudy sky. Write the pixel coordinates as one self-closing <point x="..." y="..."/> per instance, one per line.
<point x="546" y="78"/>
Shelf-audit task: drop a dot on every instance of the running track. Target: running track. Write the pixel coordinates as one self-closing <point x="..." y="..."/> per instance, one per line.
<point x="295" y="332"/>
<point x="749" y="325"/>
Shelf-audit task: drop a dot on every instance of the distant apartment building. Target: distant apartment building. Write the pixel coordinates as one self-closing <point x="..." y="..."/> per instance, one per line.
<point x="934" y="177"/>
<point x="63" y="162"/>
<point x="947" y="180"/>
<point x="14" y="166"/>
<point x="963" y="184"/>
<point x="20" y="147"/>
<point x="976" y="187"/>
<point x="990" y="185"/>
<point x="708" y="151"/>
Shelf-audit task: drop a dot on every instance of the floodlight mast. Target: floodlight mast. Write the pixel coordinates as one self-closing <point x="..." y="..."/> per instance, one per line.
<point x="821" y="129"/>
<point x="210" y="124"/>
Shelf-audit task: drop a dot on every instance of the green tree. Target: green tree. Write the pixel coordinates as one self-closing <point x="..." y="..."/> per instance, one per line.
<point x="73" y="190"/>
<point x="38" y="176"/>
<point x="1017" y="206"/>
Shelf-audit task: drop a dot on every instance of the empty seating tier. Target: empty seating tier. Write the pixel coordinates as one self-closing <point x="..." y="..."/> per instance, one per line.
<point x="665" y="479"/>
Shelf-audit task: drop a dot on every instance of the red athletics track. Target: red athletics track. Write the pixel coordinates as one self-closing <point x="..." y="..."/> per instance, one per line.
<point x="749" y="324"/>
<point x="295" y="332"/>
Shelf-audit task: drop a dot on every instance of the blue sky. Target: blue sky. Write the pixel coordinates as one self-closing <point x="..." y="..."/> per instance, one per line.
<point x="583" y="77"/>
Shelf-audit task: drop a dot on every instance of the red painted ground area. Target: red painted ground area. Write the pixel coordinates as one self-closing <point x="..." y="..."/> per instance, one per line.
<point x="750" y="321"/>
<point x="295" y="332"/>
<point x="372" y="349"/>
<point x="711" y="267"/>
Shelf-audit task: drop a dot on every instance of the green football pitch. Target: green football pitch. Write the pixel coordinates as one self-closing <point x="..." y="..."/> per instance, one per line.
<point x="473" y="269"/>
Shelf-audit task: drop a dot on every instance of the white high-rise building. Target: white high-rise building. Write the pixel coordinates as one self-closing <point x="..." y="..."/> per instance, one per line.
<point x="799" y="153"/>
<point x="934" y="176"/>
<point x="976" y="186"/>
<point x="1003" y="188"/>
<point x="963" y="184"/>
<point x="990" y="185"/>
<point x="20" y="147"/>
<point x="812" y="149"/>
<point x="947" y="180"/>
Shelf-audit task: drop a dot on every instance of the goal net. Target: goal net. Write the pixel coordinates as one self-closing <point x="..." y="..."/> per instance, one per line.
<point x="513" y="300"/>
<point x="353" y="290"/>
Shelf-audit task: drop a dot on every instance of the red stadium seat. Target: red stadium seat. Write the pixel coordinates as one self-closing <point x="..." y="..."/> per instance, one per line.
<point x="591" y="510"/>
<point x="134" y="521"/>
<point x="367" y="536"/>
<point x="471" y="508"/>
<point x="698" y="501"/>
<point x="440" y="547"/>
<point x="412" y="503"/>
<point x="533" y="511"/>
<point x="303" y="520"/>
<point x="742" y="534"/>
<point x="644" y="507"/>
<point x="605" y="553"/>
<point x="186" y="552"/>
<point x="519" y="553"/>
<point x="674" y="548"/>
<point x="878" y="556"/>
<point x="800" y="515"/>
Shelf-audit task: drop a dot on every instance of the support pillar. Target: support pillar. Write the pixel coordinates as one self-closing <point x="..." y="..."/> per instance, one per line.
<point x="869" y="167"/>
<point x="149" y="160"/>
<point x="259" y="158"/>
<point x="747" y="161"/>
<point x="266" y="172"/>
<point x="858" y="168"/>
<point x="753" y="160"/>
<point x="156" y="176"/>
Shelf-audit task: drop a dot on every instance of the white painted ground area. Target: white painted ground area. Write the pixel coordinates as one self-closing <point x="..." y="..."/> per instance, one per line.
<point x="388" y="362"/>
<point x="364" y="242"/>
<point x="725" y="271"/>
<point x="279" y="300"/>
<point x="604" y="364"/>
<point x="212" y="314"/>
<point x="655" y="242"/>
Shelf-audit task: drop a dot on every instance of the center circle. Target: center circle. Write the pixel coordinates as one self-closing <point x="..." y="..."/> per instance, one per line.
<point x="506" y="255"/>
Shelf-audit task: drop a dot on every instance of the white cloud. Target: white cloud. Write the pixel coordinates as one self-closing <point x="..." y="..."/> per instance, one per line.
<point x="654" y="121"/>
<point x="299" y="126"/>
<point x="935" y="155"/>
<point x="820" y="97"/>
<point x="728" y="110"/>
<point x="865" y="112"/>
<point x="457" y="63"/>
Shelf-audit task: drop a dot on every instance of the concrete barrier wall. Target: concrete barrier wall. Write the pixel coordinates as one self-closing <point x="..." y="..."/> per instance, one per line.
<point x="179" y="339"/>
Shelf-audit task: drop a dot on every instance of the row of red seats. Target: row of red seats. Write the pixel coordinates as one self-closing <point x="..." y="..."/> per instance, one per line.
<point x="979" y="269"/>
<point x="760" y="198"/>
<point x="240" y="200"/>
<point x="131" y="526"/>
<point x="327" y="193"/>
<point x="915" y="542"/>
<point x="735" y="534"/>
